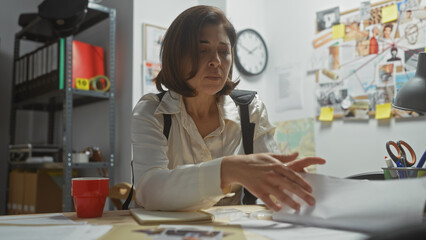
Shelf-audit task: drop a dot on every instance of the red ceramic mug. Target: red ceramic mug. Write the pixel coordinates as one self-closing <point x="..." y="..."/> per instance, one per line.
<point x="89" y="195"/>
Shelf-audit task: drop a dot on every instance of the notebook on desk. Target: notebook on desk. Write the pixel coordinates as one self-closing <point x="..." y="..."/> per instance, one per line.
<point x="156" y="217"/>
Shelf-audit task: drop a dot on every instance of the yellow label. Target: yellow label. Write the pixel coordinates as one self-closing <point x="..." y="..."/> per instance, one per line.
<point x="338" y="31"/>
<point x="327" y="114"/>
<point x="82" y="83"/>
<point x="389" y="13"/>
<point x="383" y="111"/>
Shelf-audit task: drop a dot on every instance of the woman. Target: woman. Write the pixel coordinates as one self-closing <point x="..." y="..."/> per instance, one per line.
<point x="202" y="162"/>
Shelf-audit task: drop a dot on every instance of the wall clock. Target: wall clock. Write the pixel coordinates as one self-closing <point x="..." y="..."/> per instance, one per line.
<point x="251" y="54"/>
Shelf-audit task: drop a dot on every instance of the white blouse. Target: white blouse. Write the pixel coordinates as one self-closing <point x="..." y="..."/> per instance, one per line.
<point x="183" y="171"/>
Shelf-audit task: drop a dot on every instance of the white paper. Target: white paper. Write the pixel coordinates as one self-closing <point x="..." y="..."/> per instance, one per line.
<point x="360" y="205"/>
<point x="65" y="232"/>
<point x="289" y="81"/>
<point x="318" y="59"/>
<point x="279" y="231"/>
<point x="38" y="219"/>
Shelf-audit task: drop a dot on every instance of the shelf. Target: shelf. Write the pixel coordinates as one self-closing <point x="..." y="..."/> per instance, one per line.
<point x="57" y="165"/>
<point x="52" y="92"/>
<point x="55" y="99"/>
<point x="40" y="30"/>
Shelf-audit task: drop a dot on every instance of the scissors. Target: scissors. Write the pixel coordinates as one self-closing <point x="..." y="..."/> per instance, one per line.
<point x="401" y="158"/>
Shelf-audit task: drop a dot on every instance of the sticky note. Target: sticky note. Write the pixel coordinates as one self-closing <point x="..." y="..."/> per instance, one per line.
<point x="338" y="31"/>
<point x="383" y="111"/>
<point x="82" y="83"/>
<point x="326" y="114"/>
<point x="389" y="13"/>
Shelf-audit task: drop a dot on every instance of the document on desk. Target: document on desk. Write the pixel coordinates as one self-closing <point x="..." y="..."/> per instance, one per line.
<point x="360" y="205"/>
<point x="65" y="232"/>
<point x="38" y="219"/>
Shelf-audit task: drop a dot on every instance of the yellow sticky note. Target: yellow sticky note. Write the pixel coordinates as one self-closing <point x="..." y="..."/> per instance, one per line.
<point x="383" y="111"/>
<point x="389" y="13"/>
<point x="326" y="114"/>
<point x="82" y="83"/>
<point x="338" y="31"/>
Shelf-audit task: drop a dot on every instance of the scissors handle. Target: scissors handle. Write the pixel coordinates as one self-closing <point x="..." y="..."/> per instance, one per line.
<point x="404" y="156"/>
<point x="396" y="159"/>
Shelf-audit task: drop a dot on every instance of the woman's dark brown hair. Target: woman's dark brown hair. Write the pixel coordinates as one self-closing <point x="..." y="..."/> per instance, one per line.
<point x="181" y="42"/>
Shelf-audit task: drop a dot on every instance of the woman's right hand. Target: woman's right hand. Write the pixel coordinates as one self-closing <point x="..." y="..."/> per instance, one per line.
<point x="266" y="174"/>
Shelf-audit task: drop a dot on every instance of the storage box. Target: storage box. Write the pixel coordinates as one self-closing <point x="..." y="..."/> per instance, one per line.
<point x="35" y="192"/>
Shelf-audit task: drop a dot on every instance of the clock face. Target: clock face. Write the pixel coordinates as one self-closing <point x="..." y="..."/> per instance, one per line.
<point x="251" y="55"/>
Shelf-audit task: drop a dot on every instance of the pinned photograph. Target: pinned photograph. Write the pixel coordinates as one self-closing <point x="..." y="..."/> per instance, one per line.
<point x="412" y="34"/>
<point x="327" y="18"/>
<point x="364" y="10"/>
<point x="362" y="47"/>
<point x="394" y="55"/>
<point x="388" y="32"/>
<point x="331" y="95"/>
<point x="385" y="94"/>
<point x="411" y="58"/>
<point x="375" y="16"/>
<point x="334" y="57"/>
<point x="385" y="75"/>
<point x="358" y="110"/>
<point x="354" y="32"/>
<point x="374" y="39"/>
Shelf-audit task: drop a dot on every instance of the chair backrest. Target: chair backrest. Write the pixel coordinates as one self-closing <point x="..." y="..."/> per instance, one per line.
<point x="119" y="192"/>
<point x="369" y="176"/>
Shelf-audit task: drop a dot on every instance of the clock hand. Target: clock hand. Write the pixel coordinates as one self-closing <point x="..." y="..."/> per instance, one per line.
<point x="244" y="47"/>
<point x="253" y="49"/>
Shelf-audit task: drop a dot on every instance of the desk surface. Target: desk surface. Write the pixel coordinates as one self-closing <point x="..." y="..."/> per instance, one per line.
<point x="125" y="227"/>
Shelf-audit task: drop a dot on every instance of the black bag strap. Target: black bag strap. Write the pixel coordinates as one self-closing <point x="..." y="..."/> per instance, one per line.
<point x="129" y="197"/>
<point x="167" y="118"/>
<point x="243" y="98"/>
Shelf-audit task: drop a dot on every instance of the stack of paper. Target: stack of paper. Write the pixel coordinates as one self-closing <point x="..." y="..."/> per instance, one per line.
<point x="360" y="205"/>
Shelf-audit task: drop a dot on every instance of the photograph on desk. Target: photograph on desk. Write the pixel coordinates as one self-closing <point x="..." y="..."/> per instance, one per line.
<point x="372" y="53"/>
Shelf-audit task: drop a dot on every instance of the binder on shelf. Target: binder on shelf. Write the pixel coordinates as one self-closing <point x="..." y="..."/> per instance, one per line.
<point x="87" y="61"/>
<point x="37" y="72"/>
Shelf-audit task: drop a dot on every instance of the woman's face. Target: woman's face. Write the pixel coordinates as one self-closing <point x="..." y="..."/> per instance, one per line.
<point x="215" y="61"/>
<point x="387" y="32"/>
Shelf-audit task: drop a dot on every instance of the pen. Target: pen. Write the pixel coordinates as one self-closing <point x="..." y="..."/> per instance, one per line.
<point x="422" y="161"/>
<point x="401" y="172"/>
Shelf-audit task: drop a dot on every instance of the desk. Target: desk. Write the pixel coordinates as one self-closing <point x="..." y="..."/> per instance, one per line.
<point x="125" y="227"/>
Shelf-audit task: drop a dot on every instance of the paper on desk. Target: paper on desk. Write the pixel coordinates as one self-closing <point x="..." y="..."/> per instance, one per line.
<point x="65" y="232"/>
<point x="360" y="205"/>
<point x="38" y="219"/>
<point x="276" y="230"/>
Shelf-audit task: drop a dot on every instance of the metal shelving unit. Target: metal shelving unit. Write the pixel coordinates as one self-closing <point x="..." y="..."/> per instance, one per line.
<point x="67" y="98"/>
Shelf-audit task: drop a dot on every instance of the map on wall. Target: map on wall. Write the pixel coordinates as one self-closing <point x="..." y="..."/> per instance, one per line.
<point x="296" y="136"/>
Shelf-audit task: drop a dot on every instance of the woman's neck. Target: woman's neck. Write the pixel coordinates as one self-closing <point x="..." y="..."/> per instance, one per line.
<point x="201" y="107"/>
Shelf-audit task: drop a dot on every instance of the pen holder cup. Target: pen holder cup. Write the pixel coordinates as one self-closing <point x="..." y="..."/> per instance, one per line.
<point x="89" y="195"/>
<point x="405" y="172"/>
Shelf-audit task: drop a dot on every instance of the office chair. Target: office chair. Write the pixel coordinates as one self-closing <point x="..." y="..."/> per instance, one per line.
<point x="119" y="192"/>
<point x="379" y="175"/>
